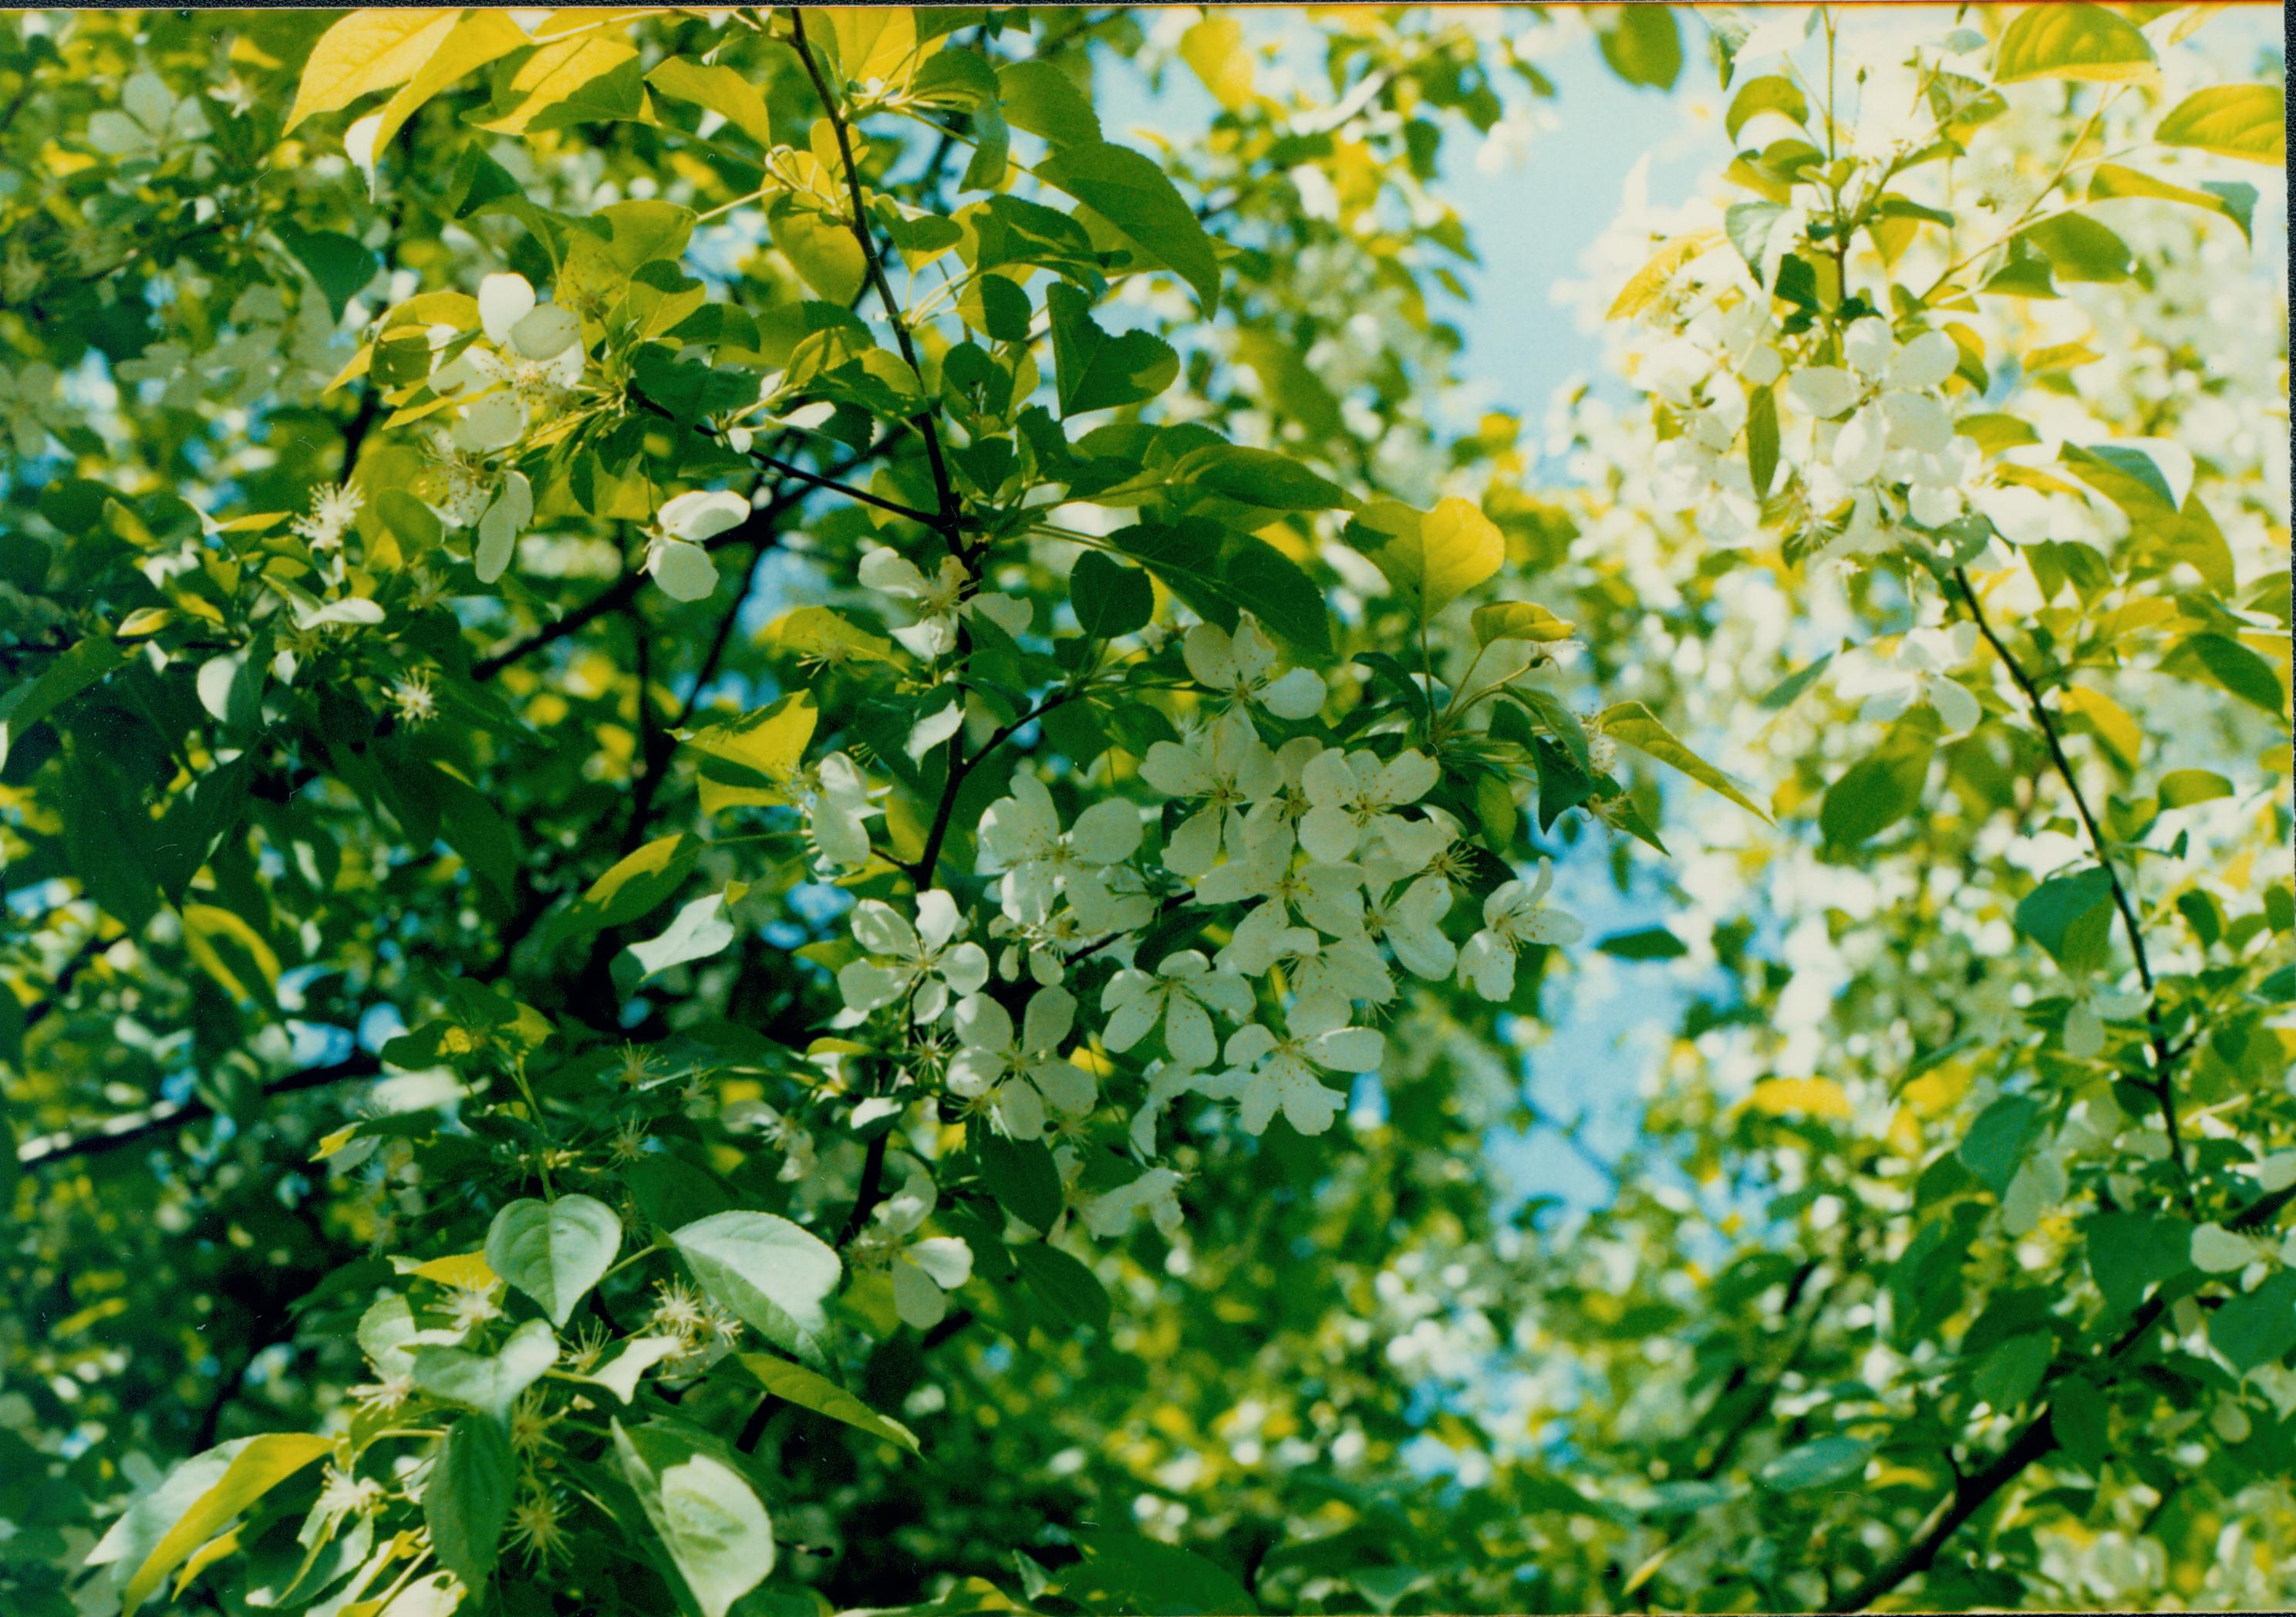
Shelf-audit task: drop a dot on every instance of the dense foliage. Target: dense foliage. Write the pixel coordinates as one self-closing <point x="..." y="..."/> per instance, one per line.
<point x="783" y="829"/>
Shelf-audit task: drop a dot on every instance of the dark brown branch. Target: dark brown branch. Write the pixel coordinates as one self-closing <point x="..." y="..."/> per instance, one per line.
<point x="759" y="529"/>
<point x="2162" y="1087"/>
<point x="944" y="491"/>
<point x="131" y="1127"/>
<point x="1972" y="1491"/>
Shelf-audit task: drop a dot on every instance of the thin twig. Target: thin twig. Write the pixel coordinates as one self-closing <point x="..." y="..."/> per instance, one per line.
<point x="2162" y="1056"/>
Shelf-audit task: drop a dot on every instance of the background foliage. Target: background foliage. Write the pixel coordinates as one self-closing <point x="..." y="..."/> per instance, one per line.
<point x="454" y="1160"/>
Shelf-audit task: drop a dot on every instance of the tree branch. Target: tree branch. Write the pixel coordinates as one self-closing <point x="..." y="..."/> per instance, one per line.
<point x="1974" y="1491"/>
<point x="2162" y="1056"/>
<point x="759" y="529"/>
<point x="128" y="1128"/>
<point x="944" y="491"/>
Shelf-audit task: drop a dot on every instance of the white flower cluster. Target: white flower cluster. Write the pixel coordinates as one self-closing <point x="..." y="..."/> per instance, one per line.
<point x="1321" y="864"/>
<point x="522" y="367"/>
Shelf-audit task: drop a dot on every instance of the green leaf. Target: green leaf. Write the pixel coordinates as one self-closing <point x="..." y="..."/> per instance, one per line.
<point x="1023" y="1177"/>
<point x="719" y="90"/>
<point x="1518" y="620"/>
<point x="1782" y="696"/>
<point x="2079" y="248"/>
<point x="822" y="1396"/>
<point x="1216" y="571"/>
<point x="554" y="1252"/>
<point x="1431" y="558"/>
<point x="775" y="1276"/>
<point x="1762" y="438"/>
<point x="1132" y="193"/>
<point x="27" y="703"/>
<point x="2128" y="1253"/>
<point x="2258" y="1328"/>
<point x="1640" y="728"/>
<point x="1126" y="1573"/>
<point x="698" y="931"/>
<point x="2235" y="202"/>
<point x="718" y="1536"/>
<point x="822" y="251"/>
<point x="1110" y="598"/>
<point x="2081" y="1422"/>
<point x="489" y="1383"/>
<point x="258" y="1464"/>
<point x="1644" y="46"/>
<point x="1072" y="1291"/>
<point x="1259" y="476"/>
<point x="2071" y="41"/>
<point x="2071" y="917"/>
<point x="1650" y="943"/>
<point x="633" y="887"/>
<point x="340" y="265"/>
<point x="467" y="1499"/>
<point x="1767" y="94"/>
<point x="1996" y="1141"/>
<point x="1097" y="370"/>
<point x="2182" y="788"/>
<point x="1038" y="96"/>
<point x="1816" y="1465"/>
<point x="473" y="827"/>
<point x="1879" y="790"/>
<point x="2247" y="121"/>
<point x="2224" y="662"/>
<point x="2012" y="1373"/>
<point x="1278" y="591"/>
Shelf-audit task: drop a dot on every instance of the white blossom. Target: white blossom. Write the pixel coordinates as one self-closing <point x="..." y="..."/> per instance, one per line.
<point x="1514" y="915"/>
<point x="1266" y="1072"/>
<point x="1011" y="1077"/>
<point x="1241" y="668"/>
<point x="1181" y="993"/>
<point x="924" y="1268"/>
<point x="1225" y="767"/>
<point x="924" y="961"/>
<point x="1110" y="1214"/>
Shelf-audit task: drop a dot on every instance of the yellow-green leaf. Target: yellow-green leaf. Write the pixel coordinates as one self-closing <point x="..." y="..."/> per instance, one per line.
<point x="820" y="248"/>
<point x="1640" y="728"/>
<point x="818" y="633"/>
<point x="479" y="38"/>
<point x="2061" y="41"/>
<point x="2247" y="121"/>
<point x="719" y="90"/>
<point x="1801" y="1097"/>
<point x="264" y="1464"/>
<point x="230" y="951"/>
<point x="555" y="73"/>
<point x="1518" y="620"/>
<point x="876" y="42"/>
<point x="1644" y="286"/>
<point x="822" y="1396"/>
<point x="1430" y="558"/>
<point x="364" y="51"/>
<point x="751" y="761"/>
<point x="2112" y="180"/>
<point x="633" y="887"/>
<point x="2107" y="721"/>
<point x="1213" y="46"/>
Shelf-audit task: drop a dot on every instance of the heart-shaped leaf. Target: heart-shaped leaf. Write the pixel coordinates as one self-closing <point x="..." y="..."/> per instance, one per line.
<point x="554" y="1252"/>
